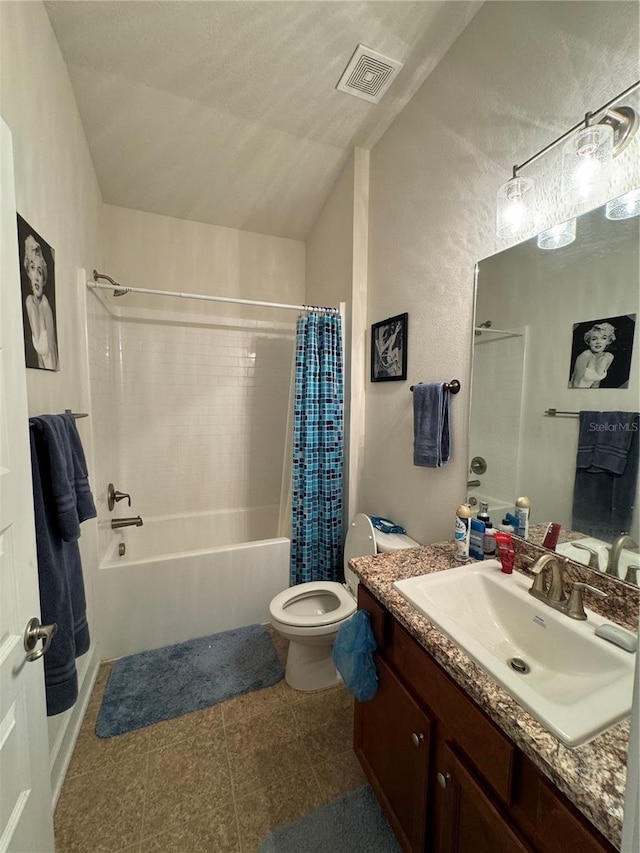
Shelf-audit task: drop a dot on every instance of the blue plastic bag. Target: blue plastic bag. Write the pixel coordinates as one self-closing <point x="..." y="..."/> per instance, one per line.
<point x="353" y="656"/>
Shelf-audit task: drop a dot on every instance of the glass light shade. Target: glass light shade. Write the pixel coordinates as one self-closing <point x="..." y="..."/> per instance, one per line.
<point x="586" y="163"/>
<point x="515" y="207"/>
<point x="625" y="206"/>
<point x="558" y="236"/>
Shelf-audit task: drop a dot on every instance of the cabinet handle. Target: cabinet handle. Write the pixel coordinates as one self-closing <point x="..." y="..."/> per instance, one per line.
<point x="417" y="738"/>
<point x="443" y="779"/>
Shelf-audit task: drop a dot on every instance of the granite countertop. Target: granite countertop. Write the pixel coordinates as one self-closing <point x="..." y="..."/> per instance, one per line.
<point x="593" y="775"/>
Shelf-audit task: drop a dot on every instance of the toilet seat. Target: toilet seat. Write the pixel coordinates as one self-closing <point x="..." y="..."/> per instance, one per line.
<point x="281" y="606"/>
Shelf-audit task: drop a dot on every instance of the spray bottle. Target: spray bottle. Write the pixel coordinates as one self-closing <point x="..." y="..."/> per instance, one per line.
<point x="462" y="530"/>
<point x="523" y="508"/>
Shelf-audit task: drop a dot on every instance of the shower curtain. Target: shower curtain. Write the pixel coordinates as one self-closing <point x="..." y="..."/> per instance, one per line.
<point x="318" y="431"/>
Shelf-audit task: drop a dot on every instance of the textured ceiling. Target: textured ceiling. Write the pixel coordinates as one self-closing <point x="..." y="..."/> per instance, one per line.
<point x="227" y="112"/>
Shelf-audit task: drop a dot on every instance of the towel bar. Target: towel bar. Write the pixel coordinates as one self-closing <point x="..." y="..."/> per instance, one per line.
<point x="452" y="387"/>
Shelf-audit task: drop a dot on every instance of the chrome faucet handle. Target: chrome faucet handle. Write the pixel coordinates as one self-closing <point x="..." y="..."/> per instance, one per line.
<point x="594" y="561"/>
<point x="632" y="574"/>
<point x="575" y="607"/>
<point x="113" y="497"/>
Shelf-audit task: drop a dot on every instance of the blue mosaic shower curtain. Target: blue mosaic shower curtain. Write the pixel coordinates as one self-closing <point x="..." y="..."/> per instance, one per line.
<point x="318" y="432"/>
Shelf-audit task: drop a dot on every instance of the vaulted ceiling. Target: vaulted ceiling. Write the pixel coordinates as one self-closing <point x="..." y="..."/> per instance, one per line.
<point x="227" y="112"/>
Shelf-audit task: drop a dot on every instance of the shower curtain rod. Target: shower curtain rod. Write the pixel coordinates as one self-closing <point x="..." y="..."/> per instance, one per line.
<point x="121" y="290"/>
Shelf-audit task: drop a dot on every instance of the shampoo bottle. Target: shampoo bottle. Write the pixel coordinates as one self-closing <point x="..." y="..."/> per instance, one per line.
<point x="523" y="508"/>
<point x="489" y="541"/>
<point x="462" y="531"/>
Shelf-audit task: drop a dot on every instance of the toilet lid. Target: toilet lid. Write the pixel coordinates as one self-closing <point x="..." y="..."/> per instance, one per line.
<point x="313" y="604"/>
<point x="361" y="539"/>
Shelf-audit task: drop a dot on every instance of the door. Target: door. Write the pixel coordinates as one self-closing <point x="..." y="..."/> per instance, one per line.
<point x="26" y="824"/>
<point x="392" y="742"/>
<point x="467" y="819"/>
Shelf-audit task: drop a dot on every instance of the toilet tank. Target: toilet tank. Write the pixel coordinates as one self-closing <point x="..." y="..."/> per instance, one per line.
<point x="363" y="540"/>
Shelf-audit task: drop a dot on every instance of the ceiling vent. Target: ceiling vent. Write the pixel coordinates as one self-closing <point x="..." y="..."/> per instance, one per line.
<point x="368" y="74"/>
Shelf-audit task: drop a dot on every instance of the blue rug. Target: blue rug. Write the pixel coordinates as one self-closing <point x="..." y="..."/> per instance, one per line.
<point x="353" y="824"/>
<point x="165" y="683"/>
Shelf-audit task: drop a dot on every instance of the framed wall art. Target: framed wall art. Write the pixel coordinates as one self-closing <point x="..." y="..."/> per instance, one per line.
<point x="38" y="281"/>
<point x="389" y="349"/>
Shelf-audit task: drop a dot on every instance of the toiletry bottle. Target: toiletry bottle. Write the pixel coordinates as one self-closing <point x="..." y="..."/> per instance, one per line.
<point x="489" y="542"/>
<point x="505" y="527"/>
<point x="523" y="508"/>
<point x="483" y="512"/>
<point x="462" y="531"/>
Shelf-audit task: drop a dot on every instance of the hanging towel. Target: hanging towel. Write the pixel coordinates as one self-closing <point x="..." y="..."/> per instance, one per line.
<point x="605" y="439"/>
<point x="431" y="440"/>
<point x="353" y="656"/>
<point x="85" y="505"/>
<point x="62" y="596"/>
<point x="604" y="491"/>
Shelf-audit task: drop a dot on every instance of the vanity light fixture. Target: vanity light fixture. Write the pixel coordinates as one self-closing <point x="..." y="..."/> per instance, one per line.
<point x="587" y="156"/>
<point x="625" y="206"/>
<point x="558" y="236"/>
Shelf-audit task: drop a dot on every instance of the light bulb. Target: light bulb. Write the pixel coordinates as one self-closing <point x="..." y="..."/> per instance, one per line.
<point x="558" y="236"/>
<point x="586" y="163"/>
<point x="625" y="206"/>
<point x="515" y="208"/>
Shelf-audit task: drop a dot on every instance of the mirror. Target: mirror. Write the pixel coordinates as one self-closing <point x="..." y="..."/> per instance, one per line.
<point x="535" y="351"/>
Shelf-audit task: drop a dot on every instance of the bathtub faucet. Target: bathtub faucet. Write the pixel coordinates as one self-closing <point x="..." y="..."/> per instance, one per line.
<point x="117" y="523"/>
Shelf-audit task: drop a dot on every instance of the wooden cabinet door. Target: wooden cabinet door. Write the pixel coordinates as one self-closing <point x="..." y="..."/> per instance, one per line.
<point x="467" y="819"/>
<point x="392" y="742"/>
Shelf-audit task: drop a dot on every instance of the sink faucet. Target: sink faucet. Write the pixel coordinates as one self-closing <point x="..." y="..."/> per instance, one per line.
<point x="117" y="523"/>
<point x="616" y="551"/>
<point x="554" y="596"/>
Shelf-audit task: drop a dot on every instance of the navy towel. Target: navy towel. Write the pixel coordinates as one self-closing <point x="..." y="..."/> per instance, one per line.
<point x="605" y="439"/>
<point x="62" y="596"/>
<point x="431" y="440"/>
<point x="604" y="491"/>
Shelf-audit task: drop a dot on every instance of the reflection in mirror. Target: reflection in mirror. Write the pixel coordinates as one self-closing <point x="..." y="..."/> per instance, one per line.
<point x="555" y="335"/>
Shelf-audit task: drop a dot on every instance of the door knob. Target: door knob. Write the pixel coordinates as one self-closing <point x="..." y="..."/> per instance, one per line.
<point x="417" y="738"/>
<point x="34" y="632"/>
<point x="443" y="779"/>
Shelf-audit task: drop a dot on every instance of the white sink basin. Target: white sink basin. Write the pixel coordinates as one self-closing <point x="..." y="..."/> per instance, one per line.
<point x="577" y="684"/>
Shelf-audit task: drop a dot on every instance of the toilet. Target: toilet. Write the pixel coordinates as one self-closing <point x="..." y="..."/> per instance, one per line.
<point x="310" y="614"/>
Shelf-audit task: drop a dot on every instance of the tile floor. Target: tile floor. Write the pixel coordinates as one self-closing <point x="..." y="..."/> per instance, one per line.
<point x="217" y="780"/>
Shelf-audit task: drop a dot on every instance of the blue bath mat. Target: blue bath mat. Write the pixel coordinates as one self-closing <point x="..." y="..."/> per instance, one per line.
<point x="353" y="824"/>
<point x="165" y="683"/>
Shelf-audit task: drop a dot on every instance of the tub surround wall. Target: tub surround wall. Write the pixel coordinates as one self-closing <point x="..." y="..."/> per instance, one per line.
<point x="57" y="193"/>
<point x="593" y="775"/>
<point x="518" y="76"/>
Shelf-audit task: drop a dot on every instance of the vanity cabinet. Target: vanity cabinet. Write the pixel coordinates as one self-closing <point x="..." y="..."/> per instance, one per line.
<point x="449" y="780"/>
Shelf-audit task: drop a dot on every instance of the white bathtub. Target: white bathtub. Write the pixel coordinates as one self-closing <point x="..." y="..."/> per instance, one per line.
<point x="497" y="507"/>
<point x="188" y="576"/>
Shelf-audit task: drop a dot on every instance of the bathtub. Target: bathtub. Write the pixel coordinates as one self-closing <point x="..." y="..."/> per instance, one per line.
<point x="186" y="576"/>
<point x="497" y="507"/>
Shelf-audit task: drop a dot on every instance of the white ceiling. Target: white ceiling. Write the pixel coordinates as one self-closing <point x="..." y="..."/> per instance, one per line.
<point x="227" y="112"/>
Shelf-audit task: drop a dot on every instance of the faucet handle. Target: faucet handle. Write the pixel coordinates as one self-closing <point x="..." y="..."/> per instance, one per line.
<point x="594" y="561"/>
<point x="113" y="497"/>
<point x="575" y="607"/>
<point x="632" y="574"/>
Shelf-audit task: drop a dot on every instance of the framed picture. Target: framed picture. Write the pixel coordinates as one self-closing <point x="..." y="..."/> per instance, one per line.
<point x="389" y="349"/>
<point x="601" y="352"/>
<point x="38" y="282"/>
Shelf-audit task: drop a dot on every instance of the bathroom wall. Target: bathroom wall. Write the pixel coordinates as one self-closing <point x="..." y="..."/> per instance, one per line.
<point x="201" y="389"/>
<point x="57" y="193"/>
<point x="336" y="271"/>
<point x="518" y="76"/>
